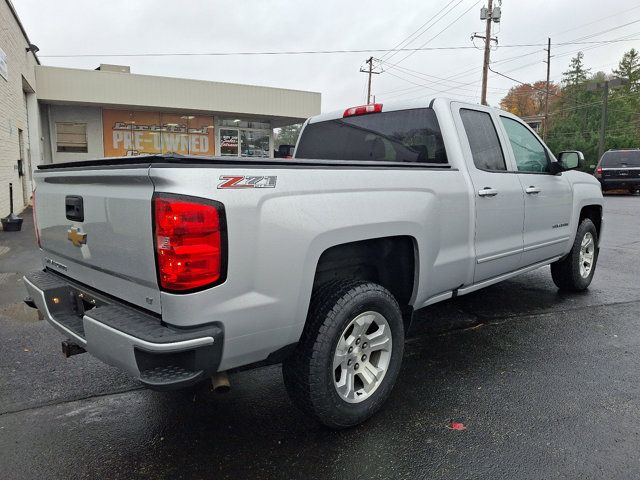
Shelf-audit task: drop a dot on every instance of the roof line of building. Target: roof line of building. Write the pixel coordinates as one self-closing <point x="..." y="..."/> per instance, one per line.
<point x="164" y="77"/>
<point x="24" y="32"/>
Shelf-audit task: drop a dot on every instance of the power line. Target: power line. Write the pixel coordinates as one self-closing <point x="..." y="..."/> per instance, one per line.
<point x="407" y="40"/>
<point x="441" y="31"/>
<point x="599" y="20"/>
<point x="422" y="85"/>
<point x="415" y="73"/>
<point x="315" y="52"/>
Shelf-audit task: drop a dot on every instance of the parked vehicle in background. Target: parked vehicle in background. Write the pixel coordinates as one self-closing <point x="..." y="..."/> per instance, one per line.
<point x="284" y="151"/>
<point x="177" y="268"/>
<point x="619" y="170"/>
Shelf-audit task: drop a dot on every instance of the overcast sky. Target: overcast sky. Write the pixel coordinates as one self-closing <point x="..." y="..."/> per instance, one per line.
<point x="72" y="27"/>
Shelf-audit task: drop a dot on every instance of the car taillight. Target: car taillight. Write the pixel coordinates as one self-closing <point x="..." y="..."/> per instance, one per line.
<point x="598" y="171"/>
<point x="362" y="110"/>
<point x="189" y="242"/>
<point x="35" y="219"/>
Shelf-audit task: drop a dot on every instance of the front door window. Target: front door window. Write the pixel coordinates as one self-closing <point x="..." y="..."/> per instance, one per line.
<point x="529" y="153"/>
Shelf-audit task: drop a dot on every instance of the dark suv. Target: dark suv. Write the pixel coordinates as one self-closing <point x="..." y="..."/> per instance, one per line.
<point x="619" y="170"/>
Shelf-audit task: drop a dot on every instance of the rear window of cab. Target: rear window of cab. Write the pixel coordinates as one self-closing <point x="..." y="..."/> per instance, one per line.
<point x="400" y="136"/>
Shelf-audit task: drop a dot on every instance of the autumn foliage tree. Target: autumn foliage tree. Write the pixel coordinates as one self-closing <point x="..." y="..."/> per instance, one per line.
<point x="527" y="99"/>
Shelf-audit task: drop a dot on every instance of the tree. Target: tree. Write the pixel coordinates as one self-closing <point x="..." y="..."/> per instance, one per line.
<point x="577" y="73"/>
<point x="539" y="95"/>
<point x="519" y="100"/>
<point x="575" y="111"/>
<point x="527" y="100"/>
<point x="287" y="135"/>
<point x="629" y="68"/>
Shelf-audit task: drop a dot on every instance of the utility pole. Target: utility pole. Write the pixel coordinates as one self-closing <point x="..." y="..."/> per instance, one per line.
<point x="606" y="85"/>
<point x="546" y="95"/>
<point x="490" y="14"/>
<point x="487" y="53"/>
<point x="370" y="72"/>
<point x="603" y="119"/>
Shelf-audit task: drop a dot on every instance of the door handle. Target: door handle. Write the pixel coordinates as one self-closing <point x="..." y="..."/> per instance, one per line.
<point x="487" y="192"/>
<point x="531" y="190"/>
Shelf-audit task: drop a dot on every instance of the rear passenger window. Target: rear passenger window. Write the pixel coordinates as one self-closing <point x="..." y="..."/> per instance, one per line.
<point x="483" y="140"/>
<point x="398" y="136"/>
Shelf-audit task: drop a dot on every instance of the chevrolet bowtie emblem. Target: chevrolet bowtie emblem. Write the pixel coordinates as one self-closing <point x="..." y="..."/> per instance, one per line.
<point x="75" y="237"/>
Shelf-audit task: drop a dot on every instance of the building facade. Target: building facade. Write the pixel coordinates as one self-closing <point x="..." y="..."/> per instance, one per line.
<point x="110" y="112"/>
<point x="19" y="143"/>
<point x="53" y="114"/>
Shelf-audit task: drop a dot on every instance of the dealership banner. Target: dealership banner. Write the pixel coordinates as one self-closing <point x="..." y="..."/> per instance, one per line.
<point x="129" y="133"/>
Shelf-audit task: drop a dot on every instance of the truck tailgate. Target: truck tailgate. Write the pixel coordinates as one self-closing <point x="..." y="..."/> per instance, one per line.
<point x="96" y="227"/>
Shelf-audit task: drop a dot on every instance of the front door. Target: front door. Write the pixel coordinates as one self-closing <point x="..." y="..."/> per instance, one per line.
<point x="498" y="195"/>
<point x="547" y="198"/>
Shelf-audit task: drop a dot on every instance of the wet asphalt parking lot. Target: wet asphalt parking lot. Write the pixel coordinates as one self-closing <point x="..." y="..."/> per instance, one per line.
<point x="546" y="384"/>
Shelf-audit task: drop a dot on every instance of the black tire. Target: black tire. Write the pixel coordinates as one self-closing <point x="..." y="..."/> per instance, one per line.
<point x="566" y="272"/>
<point x="308" y="373"/>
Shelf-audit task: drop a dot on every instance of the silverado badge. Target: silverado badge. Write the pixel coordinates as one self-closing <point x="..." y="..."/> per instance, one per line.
<point x="75" y="237"/>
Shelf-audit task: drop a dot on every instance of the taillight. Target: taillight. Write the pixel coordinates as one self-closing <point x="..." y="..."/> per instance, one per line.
<point x="35" y="219"/>
<point x="189" y="241"/>
<point x="362" y="110"/>
<point x="598" y="171"/>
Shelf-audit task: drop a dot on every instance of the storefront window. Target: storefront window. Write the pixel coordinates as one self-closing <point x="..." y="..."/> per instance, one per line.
<point x="146" y="132"/>
<point x="254" y="143"/>
<point x="229" y="142"/>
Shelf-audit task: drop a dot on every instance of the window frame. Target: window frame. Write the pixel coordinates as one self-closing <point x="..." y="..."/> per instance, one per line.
<point x="393" y="163"/>
<point x="507" y="161"/>
<point x="548" y="154"/>
<point x="86" y="137"/>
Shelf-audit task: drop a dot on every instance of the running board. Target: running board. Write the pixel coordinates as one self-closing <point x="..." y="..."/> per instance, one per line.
<point x="485" y="283"/>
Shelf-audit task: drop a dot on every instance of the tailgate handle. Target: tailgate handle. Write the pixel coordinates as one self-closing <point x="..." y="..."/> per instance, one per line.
<point x="74" y="208"/>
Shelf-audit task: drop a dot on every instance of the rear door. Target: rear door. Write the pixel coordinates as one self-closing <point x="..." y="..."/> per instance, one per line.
<point x="498" y="194"/>
<point x="95" y="227"/>
<point x="548" y="199"/>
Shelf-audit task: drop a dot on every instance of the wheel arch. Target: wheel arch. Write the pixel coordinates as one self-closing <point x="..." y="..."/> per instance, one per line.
<point x="391" y="262"/>
<point x="594" y="213"/>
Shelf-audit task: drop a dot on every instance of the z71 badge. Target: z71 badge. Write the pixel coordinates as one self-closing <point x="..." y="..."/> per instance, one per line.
<point x="248" y="181"/>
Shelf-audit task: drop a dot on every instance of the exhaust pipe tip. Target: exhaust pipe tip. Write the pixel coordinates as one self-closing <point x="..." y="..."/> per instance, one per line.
<point x="220" y="382"/>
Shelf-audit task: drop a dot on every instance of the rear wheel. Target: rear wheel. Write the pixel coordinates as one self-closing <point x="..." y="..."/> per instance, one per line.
<point x="349" y="356"/>
<point x="575" y="271"/>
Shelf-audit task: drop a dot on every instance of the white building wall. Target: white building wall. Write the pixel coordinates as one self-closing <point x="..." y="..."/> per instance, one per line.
<point x="91" y="116"/>
<point x="13" y="111"/>
<point x="118" y="90"/>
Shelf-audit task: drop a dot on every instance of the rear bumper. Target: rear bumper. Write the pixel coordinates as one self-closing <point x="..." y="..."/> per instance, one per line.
<point x="161" y="357"/>
<point x="619" y="183"/>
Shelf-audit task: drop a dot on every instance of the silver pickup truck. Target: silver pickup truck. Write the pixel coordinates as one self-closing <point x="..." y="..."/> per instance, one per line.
<point x="178" y="269"/>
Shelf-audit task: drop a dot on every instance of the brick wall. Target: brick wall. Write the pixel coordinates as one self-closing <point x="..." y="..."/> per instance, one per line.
<point x="13" y="111"/>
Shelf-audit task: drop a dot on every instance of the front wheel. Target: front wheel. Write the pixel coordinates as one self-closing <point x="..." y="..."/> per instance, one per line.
<point x="575" y="271"/>
<point x="349" y="356"/>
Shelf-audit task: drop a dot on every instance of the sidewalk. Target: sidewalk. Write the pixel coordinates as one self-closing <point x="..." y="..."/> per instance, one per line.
<point x="18" y="255"/>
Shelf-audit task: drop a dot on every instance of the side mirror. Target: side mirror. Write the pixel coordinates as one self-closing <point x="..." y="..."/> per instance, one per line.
<point x="570" y="160"/>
